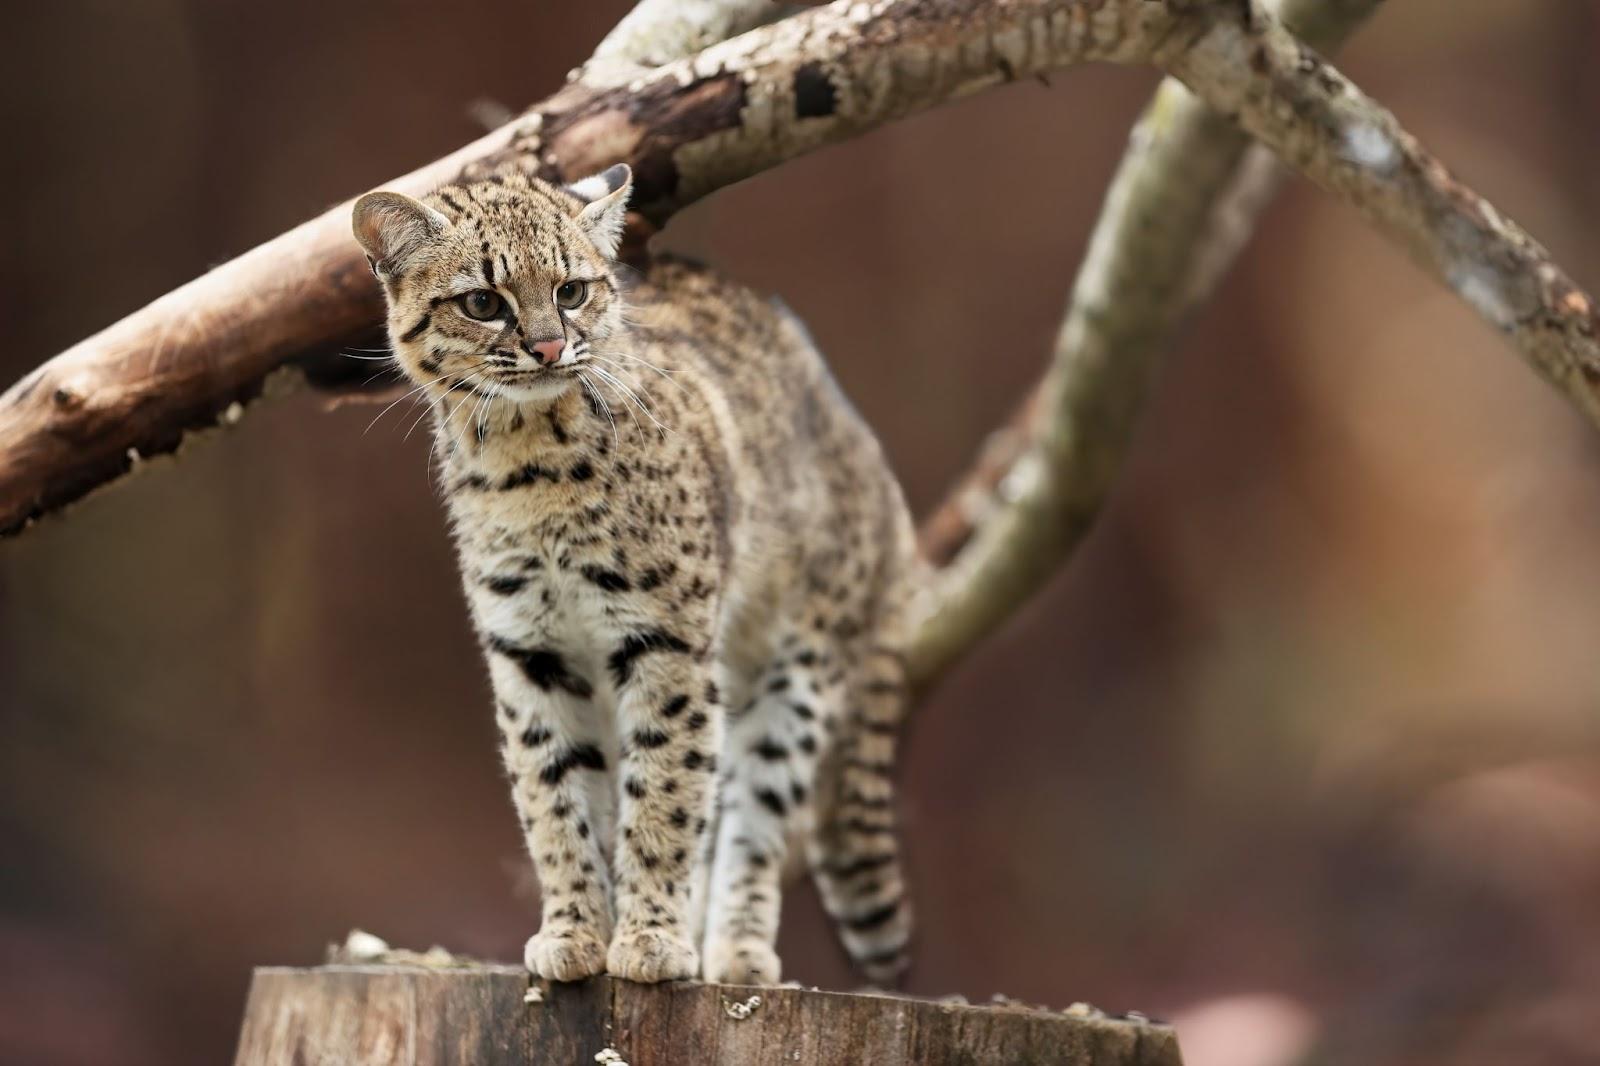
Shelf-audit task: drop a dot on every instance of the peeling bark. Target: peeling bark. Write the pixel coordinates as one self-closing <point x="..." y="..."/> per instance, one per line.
<point x="656" y="32"/>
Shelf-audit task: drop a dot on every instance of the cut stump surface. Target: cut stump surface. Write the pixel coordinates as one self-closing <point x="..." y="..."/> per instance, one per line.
<point x="361" y="1015"/>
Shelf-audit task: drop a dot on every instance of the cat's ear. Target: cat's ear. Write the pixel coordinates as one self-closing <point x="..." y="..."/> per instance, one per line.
<point x="605" y="210"/>
<point x="393" y="228"/>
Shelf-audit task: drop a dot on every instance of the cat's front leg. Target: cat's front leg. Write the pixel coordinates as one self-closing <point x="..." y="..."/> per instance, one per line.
<point x="553" y="750"/>
<point x="670" y="721"/>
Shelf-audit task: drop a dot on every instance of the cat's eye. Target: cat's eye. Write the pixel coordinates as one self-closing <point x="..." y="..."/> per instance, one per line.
<point x="570" y="295"/>
<point x="481" y="304"/>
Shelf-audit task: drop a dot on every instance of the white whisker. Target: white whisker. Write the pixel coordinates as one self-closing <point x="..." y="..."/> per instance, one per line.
<point x="455" y="444"/>
<point x="648" y="366"/>
<point x="601" y="400"/>
<point x="481" y="430"/>
<point x="432" y="406"/>
<point x="612" y="381"/>
<point x="633" y="396"/>
<point x="406" y="396"/>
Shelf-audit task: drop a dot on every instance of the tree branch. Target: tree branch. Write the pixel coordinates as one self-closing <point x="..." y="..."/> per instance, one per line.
<point x="1322" y="125"/>
<point x="194" y="357"/>
<point x="657" y="32"/>
<point x="1182" y="205"/>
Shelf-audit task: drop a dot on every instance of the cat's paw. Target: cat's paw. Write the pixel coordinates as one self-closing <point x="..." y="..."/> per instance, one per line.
<point x="742" y="962"/>
<point x="567" y="955"/>
<point x="651" y="955"/>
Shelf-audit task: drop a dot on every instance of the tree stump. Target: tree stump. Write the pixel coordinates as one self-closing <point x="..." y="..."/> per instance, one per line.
<point x="361" y="1015"/>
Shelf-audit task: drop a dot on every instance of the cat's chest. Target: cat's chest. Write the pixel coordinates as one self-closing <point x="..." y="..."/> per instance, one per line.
<point x="555" y="508"/>
<point x="563" y="542"/>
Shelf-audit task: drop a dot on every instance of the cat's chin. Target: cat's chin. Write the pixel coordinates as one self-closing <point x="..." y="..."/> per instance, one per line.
<point x="541" y="388"/>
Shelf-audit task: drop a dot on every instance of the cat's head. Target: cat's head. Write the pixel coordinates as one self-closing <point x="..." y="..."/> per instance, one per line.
<point x="505" y="285"/>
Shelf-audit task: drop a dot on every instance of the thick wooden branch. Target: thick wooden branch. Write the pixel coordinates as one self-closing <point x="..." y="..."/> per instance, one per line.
<point x="194" y="357"/>
<point x="1183" y="203"/>
<point x="372" y="1015"/>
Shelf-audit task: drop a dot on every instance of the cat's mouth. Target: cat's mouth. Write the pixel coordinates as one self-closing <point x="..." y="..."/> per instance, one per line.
<point x="542" y="384"/>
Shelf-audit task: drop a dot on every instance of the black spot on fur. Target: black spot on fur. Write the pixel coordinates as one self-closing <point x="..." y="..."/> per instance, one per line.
<point x="874" y="918"/>
<point x="770" y="750"/>
<point x="674" y="707"/>
<point x="608" y="580"/>
<point x="772" y="801"/>
<point x="650" y="739"/>
<point x="506" y="584"/>
<point x="528" y="475"/>
<point x="642" y="643"/>
<point x="545" y="668"/>
<point x="579" y="756"/>
<point x="581" y="471"/>
<point x="416" y="331"/>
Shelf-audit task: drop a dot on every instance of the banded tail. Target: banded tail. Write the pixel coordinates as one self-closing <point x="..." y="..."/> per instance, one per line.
<point x="855" y="857"/>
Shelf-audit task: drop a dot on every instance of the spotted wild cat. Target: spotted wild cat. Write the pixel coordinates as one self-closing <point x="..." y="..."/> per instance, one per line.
<point x="688" y="567"/>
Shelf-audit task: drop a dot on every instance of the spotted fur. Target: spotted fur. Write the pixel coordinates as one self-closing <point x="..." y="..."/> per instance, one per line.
<point x="688" y="567"/>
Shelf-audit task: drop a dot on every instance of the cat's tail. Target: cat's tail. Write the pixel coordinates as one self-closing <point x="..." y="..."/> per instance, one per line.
<point x="855" y="856"/>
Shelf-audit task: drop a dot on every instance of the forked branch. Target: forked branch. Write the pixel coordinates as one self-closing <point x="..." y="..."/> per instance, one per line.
<point x="1182" y="205"/>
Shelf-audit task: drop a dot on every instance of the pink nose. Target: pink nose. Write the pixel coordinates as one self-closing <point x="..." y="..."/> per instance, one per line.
<point x="548" y="352"/>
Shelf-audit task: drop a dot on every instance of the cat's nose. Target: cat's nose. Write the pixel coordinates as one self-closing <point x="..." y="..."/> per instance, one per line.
<point x="548" y="352"/>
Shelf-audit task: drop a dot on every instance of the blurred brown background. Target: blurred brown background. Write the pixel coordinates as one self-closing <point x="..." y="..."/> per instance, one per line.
<point x="1303" y="749"/>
